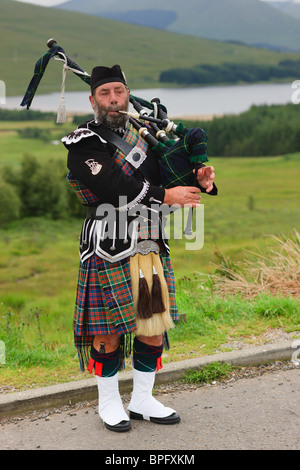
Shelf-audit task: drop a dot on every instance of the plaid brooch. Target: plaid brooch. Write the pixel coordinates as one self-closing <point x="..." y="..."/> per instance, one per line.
<point x="133" y="138"/>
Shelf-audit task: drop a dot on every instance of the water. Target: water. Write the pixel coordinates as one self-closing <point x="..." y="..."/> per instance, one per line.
<point x="179" y="102"/>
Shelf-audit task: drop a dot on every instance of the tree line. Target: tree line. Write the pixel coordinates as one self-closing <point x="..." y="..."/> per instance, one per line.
<point x="260" y="131"/>
<point x="25" y="115"/>
<point x="207" y="74"/>
<point x="38" y="188"/>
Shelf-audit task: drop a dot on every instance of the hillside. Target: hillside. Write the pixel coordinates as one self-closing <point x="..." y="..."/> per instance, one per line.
<point x="290" y="7"/>
<point x="250" y="21"/>
<point x="143" y="52"/>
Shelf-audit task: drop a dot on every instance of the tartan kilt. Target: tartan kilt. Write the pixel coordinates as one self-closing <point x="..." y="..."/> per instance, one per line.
<point x="104" y="302"/>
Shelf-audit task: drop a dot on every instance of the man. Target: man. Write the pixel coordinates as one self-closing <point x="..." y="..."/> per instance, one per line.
<point x="120" y="267"/>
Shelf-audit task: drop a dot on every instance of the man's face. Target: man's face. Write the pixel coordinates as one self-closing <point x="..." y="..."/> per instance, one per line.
<point x="107" y="100"/>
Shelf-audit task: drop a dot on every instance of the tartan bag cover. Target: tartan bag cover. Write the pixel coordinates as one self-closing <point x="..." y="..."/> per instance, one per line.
<point x="177" y="163"/>
<point x="104" y="302"/>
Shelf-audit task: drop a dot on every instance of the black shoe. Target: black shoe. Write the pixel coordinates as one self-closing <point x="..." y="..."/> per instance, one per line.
<point x="123" y="426"/>
<point x="174" y="418"/>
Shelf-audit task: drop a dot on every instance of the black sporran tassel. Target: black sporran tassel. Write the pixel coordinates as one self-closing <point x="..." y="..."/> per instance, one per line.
<point x="156" y="294"/>
<point x="144" y="307"/>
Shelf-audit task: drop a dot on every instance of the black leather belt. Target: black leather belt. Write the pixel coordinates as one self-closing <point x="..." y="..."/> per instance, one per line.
<point x="113" y="138"/>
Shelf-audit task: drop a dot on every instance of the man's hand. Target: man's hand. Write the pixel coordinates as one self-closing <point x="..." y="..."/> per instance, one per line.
<point x="183" y="196"/>
<point x="190" y="195"/>
<point x="205" y="177"/>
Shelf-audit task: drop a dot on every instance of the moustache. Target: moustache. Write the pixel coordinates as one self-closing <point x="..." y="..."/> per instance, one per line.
<point x="116" y="108"/>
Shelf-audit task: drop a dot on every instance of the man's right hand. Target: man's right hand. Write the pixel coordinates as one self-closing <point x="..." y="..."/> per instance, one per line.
<point x="183" y="196"/>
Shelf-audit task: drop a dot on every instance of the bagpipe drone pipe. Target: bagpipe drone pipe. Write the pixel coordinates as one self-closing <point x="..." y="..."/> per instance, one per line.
<point x="181" y="151"/>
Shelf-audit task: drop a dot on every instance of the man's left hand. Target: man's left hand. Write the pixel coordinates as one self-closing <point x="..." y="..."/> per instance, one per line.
<point x="205" y="177"/>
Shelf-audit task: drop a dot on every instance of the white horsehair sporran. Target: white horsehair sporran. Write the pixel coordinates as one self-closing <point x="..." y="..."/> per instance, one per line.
<point x="150" y="291"/>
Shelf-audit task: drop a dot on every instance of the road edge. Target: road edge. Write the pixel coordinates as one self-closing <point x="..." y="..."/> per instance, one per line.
<point x="18" y="403"/>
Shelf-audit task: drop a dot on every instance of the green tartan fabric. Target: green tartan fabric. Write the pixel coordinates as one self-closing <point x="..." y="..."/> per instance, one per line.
<point x="39" y="71"/>
<point x="178" y="162"/>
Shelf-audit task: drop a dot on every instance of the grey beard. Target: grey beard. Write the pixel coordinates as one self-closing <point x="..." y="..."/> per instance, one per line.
<point x="113" y="122"/>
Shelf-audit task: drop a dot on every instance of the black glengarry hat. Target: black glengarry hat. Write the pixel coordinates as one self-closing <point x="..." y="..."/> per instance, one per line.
<point x="101" y="75"/>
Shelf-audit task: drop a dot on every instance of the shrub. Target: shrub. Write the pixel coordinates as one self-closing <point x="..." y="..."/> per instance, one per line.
<point x="34" y="133"/>
<point x="260" y="131"/>
<point x="10" y="203"/>
<point x="42" y="188"/>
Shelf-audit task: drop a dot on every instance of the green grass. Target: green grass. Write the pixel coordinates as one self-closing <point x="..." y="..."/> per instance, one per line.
<point x="230" y="224"/>
<point x="36" y="357"/>
<point x="39" y="260"/>
<point x="213" y="320"/>
<point x="208" y="373"/>
<point x="13" y="146"/>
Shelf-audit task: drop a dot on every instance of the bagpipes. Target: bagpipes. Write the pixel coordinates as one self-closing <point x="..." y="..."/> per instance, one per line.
<point x="181" y="151"/>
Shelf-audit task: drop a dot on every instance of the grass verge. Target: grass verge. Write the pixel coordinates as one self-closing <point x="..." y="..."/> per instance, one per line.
<point x="211" y="321"/>
<point x="209" y="373"/>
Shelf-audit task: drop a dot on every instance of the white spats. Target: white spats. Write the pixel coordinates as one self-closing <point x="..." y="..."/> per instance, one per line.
<point x="142" y="402"/>
<point x="111" y="409"/>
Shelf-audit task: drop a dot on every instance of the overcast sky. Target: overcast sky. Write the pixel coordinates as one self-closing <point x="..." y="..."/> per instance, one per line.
<point x="49" y="3"/>
<point x="44" y="3"/>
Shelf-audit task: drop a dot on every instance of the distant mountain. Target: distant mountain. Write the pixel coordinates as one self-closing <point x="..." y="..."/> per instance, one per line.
<point x="249" y="21"/>
<point x="144" y="53"/>
<point x="289" y="7"/>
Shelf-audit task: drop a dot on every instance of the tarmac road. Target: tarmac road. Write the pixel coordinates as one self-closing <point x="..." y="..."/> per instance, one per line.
<point x="261" y="412"/>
